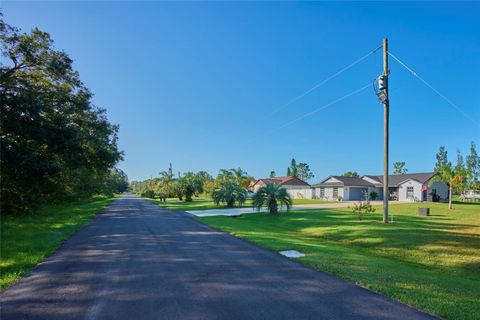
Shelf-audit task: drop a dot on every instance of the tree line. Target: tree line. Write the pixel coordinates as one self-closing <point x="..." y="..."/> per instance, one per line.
<point x="56" y="145"/>
<point x="461" y="176"/>
<point x="299" y="170"/>
<point x="228" y="186"/>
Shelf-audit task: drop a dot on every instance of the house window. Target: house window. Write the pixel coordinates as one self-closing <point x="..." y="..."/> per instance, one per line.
<point x="335" y="192"/>
<point x="322" y="192"/>
<point x="409" y="192"/>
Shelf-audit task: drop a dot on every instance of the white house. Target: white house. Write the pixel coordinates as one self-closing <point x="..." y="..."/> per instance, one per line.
<point x="402" y="187"/>
<point x="296" y="188"/>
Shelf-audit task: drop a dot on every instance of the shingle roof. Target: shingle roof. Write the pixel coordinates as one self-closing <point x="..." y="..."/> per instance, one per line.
<point x="291" y="181"/>
<point x="395" y="179"/>
<point x="345" y="181"/>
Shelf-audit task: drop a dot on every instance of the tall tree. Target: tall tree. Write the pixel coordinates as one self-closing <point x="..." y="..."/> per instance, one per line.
<point x="399" y="167"/>
<point x="353" y="174"/>
<point x="304" y="172"/>
<point x="190" y="184"/>
<point x="289" y="172"/>
<point x="55" y="145"/>
<point x="241" y="177"/>
<point x="293" y="168"/>
<point x="225" y="175"/>
<point x="272" y="174"/>
<point x="462" y="171"/>
<point x="441" y="156"/>
<point x="473" y="167"/>
<point x="204" y="176"/>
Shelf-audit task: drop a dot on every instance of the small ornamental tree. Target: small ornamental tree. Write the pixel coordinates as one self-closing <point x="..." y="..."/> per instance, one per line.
<point x="270" y="196"/>
<point x="363" y="207"/>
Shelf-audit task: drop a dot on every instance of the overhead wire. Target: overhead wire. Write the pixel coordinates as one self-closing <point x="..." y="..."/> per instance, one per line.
<point x="321" y="83"/>
<point x="466" y="115"/>
<point x="323" y="107"/>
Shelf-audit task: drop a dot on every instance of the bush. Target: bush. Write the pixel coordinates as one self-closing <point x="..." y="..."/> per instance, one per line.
<point x="148" y="194"/>
<point x="363" y="207"/>
<point x="373" y="195"/>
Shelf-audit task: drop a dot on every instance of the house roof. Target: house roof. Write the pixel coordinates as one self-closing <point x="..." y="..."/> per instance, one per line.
<point x="345" y="181"/>
<point x="290" y="181"/>
<point x="396" y="179"/>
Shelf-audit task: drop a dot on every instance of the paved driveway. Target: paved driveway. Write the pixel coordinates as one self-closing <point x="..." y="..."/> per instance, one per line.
<point x="239" y="211"/>
<point x="139" y="261"/>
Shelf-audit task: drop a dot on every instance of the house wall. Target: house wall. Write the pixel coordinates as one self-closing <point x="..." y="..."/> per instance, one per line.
<point x="258" y="185"/>
<point x="329" y="193"/>
<point x="417" y="190"/>
<point x="297" y="193"/>
<point x="441" y="188"/>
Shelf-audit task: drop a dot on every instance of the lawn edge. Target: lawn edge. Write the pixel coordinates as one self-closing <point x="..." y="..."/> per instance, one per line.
<point x="199" y="219"/>
<point x="60" y="245"/>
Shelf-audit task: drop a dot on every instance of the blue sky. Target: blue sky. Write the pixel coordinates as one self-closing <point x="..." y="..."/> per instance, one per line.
<point x="195" y="84"/>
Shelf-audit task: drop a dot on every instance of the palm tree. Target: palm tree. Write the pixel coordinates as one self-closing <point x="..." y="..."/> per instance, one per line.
<point x="269" y="196"/>
<point x="239" y="174"/>
<point x="225" y="175"/>
<point x="229" y="193"/>
<point x="446" y="173"/>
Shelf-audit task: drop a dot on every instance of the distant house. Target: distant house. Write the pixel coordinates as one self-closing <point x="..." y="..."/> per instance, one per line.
<point x="402" y="187"/>
<point x="297" y="188"/>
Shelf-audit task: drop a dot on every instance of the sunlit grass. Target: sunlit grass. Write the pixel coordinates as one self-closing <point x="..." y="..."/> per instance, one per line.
<point x="432" y="263"/>
<point x="207" y="203"/>
<point x="25" y="240"/>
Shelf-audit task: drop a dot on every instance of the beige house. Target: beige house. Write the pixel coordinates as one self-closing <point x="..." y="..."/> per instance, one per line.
<point x="296" y="188"/>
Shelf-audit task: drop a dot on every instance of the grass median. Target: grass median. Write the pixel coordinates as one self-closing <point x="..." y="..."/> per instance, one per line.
<point x="27" y="239"/>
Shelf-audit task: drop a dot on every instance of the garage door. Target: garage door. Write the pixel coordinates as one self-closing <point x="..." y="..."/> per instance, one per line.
<point x="357" y="193"/>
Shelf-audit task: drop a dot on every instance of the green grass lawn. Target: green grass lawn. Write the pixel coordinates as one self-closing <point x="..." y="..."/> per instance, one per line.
<point x="196" y="204"/>
<point x="25" y="240"/>
<point x="207" y="203"/>
<point x="310" y="201"/>
<point x="431" y="263"/>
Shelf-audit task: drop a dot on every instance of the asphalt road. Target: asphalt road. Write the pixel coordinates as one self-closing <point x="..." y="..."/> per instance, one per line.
<point x="139" y="261"/>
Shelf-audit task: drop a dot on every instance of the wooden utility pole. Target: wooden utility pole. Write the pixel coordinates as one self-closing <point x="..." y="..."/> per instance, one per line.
<point x="385" y="132"/>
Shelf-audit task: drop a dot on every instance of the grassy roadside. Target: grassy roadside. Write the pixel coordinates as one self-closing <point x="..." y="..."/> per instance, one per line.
<point x="196" y="204"/>
<point x="431" y="263"/>
<point x="206" y="204"/>
<point x="26" y="240"/>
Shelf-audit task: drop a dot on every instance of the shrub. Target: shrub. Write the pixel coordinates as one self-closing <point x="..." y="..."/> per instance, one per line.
<point x="363" y="207"/>
<point x="148" y="194"/>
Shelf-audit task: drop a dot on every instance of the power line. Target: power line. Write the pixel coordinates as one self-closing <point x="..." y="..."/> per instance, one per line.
<point x="325" y="81"/>
<point x="320" y="108"/>
<point x="434" y="90"/>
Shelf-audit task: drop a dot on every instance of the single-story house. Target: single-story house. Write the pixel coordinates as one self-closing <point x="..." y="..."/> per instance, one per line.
<point x="296" y="188"/>
<point x="402" y="187"/>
